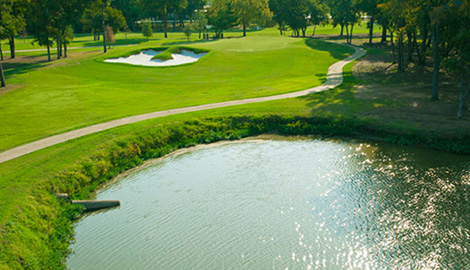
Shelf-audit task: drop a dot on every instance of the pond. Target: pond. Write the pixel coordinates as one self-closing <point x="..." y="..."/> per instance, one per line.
<point x="284" y="203"/>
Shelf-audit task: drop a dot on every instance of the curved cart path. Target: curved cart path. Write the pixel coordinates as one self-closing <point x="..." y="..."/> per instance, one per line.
<point x="334" y="79"/>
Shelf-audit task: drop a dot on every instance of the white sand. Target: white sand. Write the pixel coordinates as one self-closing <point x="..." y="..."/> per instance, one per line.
<point x="145" y="59"/>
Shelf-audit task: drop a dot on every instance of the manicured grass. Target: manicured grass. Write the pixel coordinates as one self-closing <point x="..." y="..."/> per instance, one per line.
<point x="84" y="90"/>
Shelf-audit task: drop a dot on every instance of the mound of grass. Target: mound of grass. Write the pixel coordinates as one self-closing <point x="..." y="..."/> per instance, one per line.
<point x="133" y="52"/>
<point x="164" y="56"/>
<point x="167" y="54"/>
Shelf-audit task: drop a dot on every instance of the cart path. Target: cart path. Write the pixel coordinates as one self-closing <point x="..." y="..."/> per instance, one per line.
<point x="334" y="79"/>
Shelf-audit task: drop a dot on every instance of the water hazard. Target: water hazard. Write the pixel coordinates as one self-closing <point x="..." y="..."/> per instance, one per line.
<point x="285" y="204"/>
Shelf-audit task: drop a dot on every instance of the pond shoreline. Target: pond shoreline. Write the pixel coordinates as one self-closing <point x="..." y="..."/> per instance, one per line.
<point x="127" y="152"/>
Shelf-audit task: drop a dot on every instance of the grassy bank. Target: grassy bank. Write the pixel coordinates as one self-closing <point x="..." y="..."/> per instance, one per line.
<point x="36" y="228"/>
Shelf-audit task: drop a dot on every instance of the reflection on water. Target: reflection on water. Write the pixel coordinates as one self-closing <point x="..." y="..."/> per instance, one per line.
<point x="285" y="204"/>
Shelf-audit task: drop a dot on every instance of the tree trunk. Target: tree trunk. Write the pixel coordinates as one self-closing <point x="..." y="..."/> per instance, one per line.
<point x="371" y="29"/>
<point x="11" y="39"/>
<point x="314" y="29"/>
<point x="303" y="31"/>
<point x="384" y="33"/>
<point x="393" y="47"/>
<point x="347" y="33"/>
<point x="401" y="57"/>
<point x="48" y="53"/>
<point x="351" y="34"/>
<point x="58" y="48"/>
<point x="436" y="64"/>
<point x="165" y="22"/>
<point x="65" y="50"/>
<point x="342" y="30"/>
<point x="1" y="53"/>
<point x="2" y="76"/>
<point x="422" y="58"/>
<point x="461" y="94"/>
<point x="244" y="30"/>
<point x="465" y="96"/>
<point x="410" y="46"/>
<point x="104" y="32"/>
<point x="418" y="51"/>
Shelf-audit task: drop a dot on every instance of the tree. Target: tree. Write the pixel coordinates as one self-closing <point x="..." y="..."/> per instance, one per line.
<point x="292" y="13"/>
<point x="146" y="28"/>
<point x="279" y="13"/>
<point x="131" y="11"/>
<point x="92" y="19"/>
<point x="457" y="61"/>
<point x="318" y="13"/>
<point x="193" y="7"/>
<point x="221" y="16"/>
<point x="68" y="37"/>
<point x="187" y="31"/>
<point x="370" y="7"/>
<point x="12" y="20"/>
<point x="163" y="8"/>
<point x="40" y="23"/>
<point x="395" y="12"/>
<point x="64" y="13"/>
<point x="115" y="19"/>
<point x="109" y="35"/>
<point x="346" y="14"/>
<point x="200" y="21"/>
<point x="251" y="11"/>
<point x="2" y="76"/>
<point x="98" y="15"/>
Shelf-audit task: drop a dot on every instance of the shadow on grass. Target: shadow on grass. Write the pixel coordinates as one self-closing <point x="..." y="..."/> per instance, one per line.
<point x="339" y="102"/>
<point x="338" y="51"/>
<point x="117" y="42"/>
<point x="17" y="68"/>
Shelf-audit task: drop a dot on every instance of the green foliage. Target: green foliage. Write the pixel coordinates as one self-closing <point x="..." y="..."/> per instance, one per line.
<point x="68" y="35"/>
<point x="251" y="11"/>
<point x="200" y="22"/>
<point x="12" y="17"/>
<point x="221" y="16"/>
<point x="146" y="26"/>
<point x="162" y="8"/>
<point x="187" y="31"/>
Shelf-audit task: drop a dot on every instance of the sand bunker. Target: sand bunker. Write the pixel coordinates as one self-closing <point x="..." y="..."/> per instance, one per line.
<point x="145" y="58"/>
